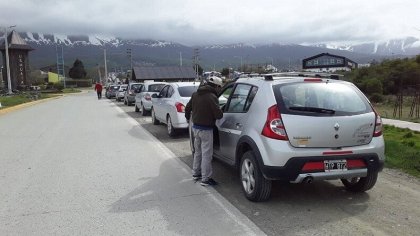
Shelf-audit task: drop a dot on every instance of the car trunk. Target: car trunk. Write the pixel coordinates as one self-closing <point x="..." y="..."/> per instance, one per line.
<point x="329" y="131"/>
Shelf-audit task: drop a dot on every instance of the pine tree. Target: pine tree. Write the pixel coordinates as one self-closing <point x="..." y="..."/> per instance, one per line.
<point x="78" y="70"/>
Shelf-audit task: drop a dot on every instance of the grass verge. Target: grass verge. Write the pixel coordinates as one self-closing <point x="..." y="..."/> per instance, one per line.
<point x="10" y="101"/>
<point x="402" y="149"/>
<point x="71" y="90"/>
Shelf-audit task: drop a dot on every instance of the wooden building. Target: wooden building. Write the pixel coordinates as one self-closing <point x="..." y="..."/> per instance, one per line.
<point x="326" y="62"/>
<point x="18" y="60"/>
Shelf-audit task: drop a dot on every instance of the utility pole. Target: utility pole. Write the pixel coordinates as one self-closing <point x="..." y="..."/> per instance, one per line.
<point x="195" y="61"/>
<point x="106" y="71"/>
<point x="9" y="80"/>
<point x="180" y="58"/>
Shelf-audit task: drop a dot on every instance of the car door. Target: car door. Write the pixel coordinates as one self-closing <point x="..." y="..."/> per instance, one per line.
<point x="158" y="103"/>
<point x="235" y="115"/>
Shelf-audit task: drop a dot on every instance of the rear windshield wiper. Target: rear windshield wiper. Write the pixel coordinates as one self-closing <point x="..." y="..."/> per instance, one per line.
<point x="313" y="109"/>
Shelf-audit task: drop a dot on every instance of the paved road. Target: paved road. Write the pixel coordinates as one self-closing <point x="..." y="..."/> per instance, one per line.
<point x="79" y="166"/>
<point x="392" y="207"/>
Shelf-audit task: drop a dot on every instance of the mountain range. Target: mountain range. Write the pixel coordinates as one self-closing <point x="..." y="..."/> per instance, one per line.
<point x="90" y="49"/>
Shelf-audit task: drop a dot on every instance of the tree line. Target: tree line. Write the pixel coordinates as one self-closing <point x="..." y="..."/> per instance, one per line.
<point x="389" y="77"/>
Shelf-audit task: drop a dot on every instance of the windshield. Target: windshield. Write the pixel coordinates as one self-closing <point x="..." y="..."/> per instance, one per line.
<point x="321" y="98"/>
<point x="187" y="91"/>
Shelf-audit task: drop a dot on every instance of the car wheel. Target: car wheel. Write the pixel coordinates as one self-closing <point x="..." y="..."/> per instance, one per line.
<point x="254" y="185"/>
<point x="143" y="111"/>
<point x="125" y="102"/>
<point x="154" y="120"/>
<point x="136" y="108"/>
<point x="361" y="184"/>
<point x="170" y="127"/>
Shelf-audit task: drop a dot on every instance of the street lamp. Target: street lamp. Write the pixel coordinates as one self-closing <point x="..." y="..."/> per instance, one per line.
<point x="6" y="47"/>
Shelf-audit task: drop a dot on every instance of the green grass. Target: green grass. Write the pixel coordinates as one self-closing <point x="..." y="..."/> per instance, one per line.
<point x="71" y="90"/>
<point x="10" y="101"/>
<point x="402" y="149"/>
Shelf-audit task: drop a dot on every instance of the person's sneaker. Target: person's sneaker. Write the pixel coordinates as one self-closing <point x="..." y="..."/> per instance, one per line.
<point x="196" y="177"/>
<point x="208" y="182"/>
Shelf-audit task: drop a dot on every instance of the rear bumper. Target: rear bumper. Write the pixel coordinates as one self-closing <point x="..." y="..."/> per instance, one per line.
<point x="292" y="170"/>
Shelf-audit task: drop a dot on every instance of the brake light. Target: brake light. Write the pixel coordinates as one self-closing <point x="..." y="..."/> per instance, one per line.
<point x="311" y="166"/>
<point x="274" y="127"/>
<point x="180" y="107"/>
<point x="378" y="125"/>
<point x="147" y="97"/>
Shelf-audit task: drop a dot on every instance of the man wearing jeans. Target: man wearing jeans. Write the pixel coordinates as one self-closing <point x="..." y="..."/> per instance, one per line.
<point x="205" y="109"/>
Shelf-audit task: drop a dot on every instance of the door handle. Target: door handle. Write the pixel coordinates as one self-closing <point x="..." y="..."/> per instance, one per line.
<point x="238" y="125"/>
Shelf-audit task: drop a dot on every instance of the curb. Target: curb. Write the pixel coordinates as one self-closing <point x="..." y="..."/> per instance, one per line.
<point x="27" y="104"/>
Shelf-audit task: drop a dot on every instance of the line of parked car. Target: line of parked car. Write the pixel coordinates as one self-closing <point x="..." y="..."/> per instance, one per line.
<point x="164" y="101"/>
<point x="294" y="127"/>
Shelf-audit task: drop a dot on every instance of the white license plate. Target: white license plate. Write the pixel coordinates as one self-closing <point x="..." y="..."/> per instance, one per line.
<point x="335" y="165"/>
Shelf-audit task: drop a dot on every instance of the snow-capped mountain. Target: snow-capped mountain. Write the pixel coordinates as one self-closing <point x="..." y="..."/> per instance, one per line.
<point x="405" y="46"/>
<point x="90" y="49"/>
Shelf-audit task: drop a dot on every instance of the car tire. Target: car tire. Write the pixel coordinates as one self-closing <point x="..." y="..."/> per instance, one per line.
<point x="154" y="120"/>
<point x="255" y="187"/>
<point x="125" y="102"/>
<point x="361" y="184"/>
<point x="136" y="109"/>
<point x="170" y="128"/>
<point x="143" y="111"/>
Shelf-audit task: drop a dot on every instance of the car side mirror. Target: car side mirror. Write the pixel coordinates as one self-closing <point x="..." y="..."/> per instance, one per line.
<point x="154" y="95"/>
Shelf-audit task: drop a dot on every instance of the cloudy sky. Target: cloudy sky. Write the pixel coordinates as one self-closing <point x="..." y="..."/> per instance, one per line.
<point x="200" y="22"/>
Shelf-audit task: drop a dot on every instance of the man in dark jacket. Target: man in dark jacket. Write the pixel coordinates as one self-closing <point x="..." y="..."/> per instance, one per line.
<point x="205" y="109"/>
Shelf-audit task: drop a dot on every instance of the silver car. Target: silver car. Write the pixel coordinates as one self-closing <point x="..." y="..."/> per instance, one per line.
<point x="119" y="95"/>
<point x="168" y="106"/>
<point x="298" y="128"/>
<point x="143" y="100"/>
<point x="130" y="94"/>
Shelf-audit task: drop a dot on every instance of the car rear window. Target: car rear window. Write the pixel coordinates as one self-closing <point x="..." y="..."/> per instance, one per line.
<point x="155" y="87"/>
<point x="115" y="87"/>
<point x="321" y="99"/>
<point x="187" y="91"/>
<point x="136" y="86"/>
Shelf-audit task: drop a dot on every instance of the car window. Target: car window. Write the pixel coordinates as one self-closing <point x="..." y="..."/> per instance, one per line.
<point x="136" y="87"/>
<point x="115" y="87"/>
<point x="341" y="99"/>
<point x="170" y="92"/>
<point x="224" y="95"/>
<point x="238" y="98"/>
<point x="164" y="91"/>
<point x="251" y="97"/>
<point x="187" y="91"/>
<point x="155" y="87"/>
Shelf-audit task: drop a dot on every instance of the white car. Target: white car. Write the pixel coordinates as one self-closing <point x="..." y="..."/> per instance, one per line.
<point x="169" y="105"/>
<point x="119" y="95"/>
<point x="143" y="99"/>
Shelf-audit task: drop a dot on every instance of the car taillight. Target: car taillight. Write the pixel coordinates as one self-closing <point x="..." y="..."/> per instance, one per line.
<point x="378" y="125"/>
<point x="147" y="97"/>
<point x="274" y="127"/>
<point x="180" y="107"/>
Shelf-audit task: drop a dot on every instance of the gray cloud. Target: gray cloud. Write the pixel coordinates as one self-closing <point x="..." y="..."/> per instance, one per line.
<point x="195" y="22"/>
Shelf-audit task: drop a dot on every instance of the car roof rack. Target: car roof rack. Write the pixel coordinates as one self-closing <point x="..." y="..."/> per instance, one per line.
<point x="303" y="74"/>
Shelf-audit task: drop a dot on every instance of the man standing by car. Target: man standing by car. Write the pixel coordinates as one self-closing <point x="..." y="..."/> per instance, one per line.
<point x="205" y="109"/>
<point x="98" y="88"/>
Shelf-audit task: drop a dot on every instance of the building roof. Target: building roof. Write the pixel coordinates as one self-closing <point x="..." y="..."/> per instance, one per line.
<point x="163" y="73"/>
<point x="15" y="42"/>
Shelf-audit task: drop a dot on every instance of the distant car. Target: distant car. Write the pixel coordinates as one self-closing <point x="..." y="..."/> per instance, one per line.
<point x="143" y="99"/>
<point x="119" y="95"/>
<point x="111" y="91"/>
<point x="130" y="93"/>
<point x="169" y="105"/>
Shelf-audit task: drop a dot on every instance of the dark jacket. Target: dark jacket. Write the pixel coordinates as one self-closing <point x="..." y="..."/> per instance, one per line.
<point x="204" y="107"/>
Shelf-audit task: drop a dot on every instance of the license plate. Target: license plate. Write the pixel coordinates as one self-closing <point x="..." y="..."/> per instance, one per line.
<point x="335" y="165"/>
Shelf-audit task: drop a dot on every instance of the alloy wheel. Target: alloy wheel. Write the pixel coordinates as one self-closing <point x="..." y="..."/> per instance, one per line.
<point x="248" y="176"/>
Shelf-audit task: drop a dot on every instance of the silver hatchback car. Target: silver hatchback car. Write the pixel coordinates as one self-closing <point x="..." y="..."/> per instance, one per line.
<point x="298" y="128"/>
